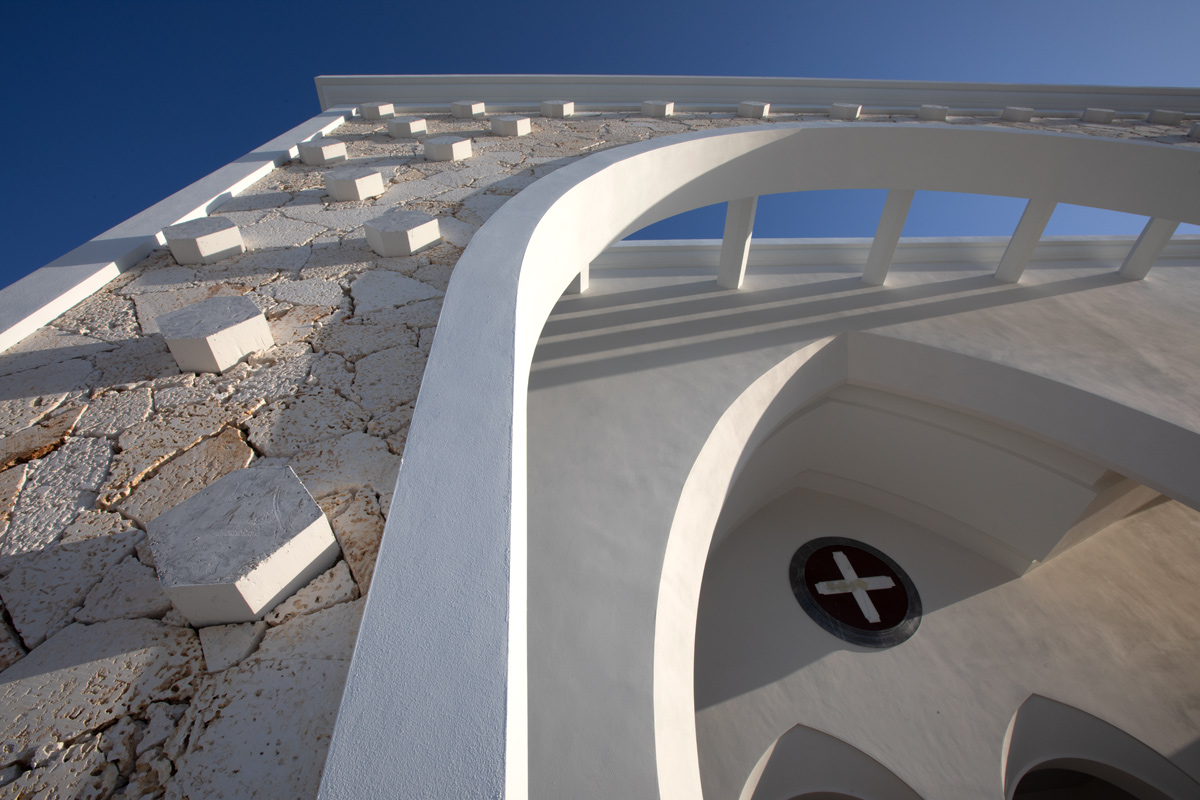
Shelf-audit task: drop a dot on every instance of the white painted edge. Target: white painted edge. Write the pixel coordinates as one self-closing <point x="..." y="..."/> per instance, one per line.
<point x="786" y="95"/>
<point x="44" y="294"/>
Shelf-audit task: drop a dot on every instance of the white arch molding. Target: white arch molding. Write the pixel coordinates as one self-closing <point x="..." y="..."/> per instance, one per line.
<point x="440" y="698"/>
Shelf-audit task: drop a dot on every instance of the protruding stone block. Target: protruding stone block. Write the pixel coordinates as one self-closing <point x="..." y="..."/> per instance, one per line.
<point x="558" y="108"/>
<point x="1099" y="115"/>
<point x="402" y="233"/>
<point x="657" y="108"/>
<point x="467" y="109"/>
<point x="1017" y="114"/>
<point x="236" y="549"/>
<point x="933" y="113"/>
<point x="1194" y="133"/>
<point x="1161" y="116"/>
<point x="215" y="334"/>
<point x="512" y="125"/>
<point x="844" y="111"/>
<point x="204" y="241"/>
<point x="447" y="148"/>
<point x="377" y="110"/>
<point x="407" y="127"/>
<point x="754" y="109"/>
<point x="354" y="183"/>
<point x="321" y="151"/>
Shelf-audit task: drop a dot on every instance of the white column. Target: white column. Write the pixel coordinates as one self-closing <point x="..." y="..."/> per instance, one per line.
<point x="887" y="236"/>
<point x="1024" y="239"/>
<point x="1147" y="248"/>
<point x="579" y="284"/>
<point x="735" y="246"/>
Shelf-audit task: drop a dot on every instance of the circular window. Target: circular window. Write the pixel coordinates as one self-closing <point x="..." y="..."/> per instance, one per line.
<point x="855" y="592"/>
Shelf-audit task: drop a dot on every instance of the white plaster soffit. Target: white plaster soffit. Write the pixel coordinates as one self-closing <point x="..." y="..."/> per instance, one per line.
<point x="786" y="95"/>
<point x="440" y="700"/>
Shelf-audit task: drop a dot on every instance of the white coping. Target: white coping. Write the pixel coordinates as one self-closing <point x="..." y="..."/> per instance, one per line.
<point x="441" y="702"/>
<point x="44" y="294"/>
<point x="786" y="95"/>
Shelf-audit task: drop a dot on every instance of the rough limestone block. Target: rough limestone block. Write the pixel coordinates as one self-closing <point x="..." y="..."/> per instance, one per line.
<point x="331" y="587"/>
<point x="183" y="476"/>
<point x="58" y="487"/>
<point x="204" y="241"/>
<point x="128" y="591"/>
<point x="407" y="127"/>
<point x="1017" y="114"/>
<point x="467" y="109"/>
<point x="557" y="108"/>
<point x="91" y="675"/>
<point x="1102" y="116"/>
<point x="354" y="183"/>
<point x="37" y="440"/>
<point x="1194" y="133"/>
<point x="933" y="113"/>
<point x="754" y="109"/>
<point x="512" y="125"/>
<point x="402" y="233"/>
<point x="1161" y="116"/>
<point x="320" y="152"/>
<point x="447" y="148"/>
<point x="845" y="111"/>
<point x="45" y="586"/>
<point x="376" y="110"/>
<point x="657" y="108"/>
<point x="227" y="645"/>
<point x="215" y="334"/>
<point x="236" y="549"/>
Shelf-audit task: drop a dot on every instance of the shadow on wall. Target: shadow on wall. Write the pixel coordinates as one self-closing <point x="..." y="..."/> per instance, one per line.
<point x="599" y="336"/>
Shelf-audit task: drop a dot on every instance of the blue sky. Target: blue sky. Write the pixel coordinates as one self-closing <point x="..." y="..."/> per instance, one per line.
<point x="98" y="90"/>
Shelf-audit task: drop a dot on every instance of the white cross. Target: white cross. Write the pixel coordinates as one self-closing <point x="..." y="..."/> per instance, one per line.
<point x="855" y="585"/>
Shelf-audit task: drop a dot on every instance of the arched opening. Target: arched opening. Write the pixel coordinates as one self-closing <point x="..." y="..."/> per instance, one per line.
<point x="810" y="764"/>
<point x="1058" y="783"/>
<point x="1057" y="752"/>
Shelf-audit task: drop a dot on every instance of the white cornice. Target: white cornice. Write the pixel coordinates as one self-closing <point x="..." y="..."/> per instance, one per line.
<point x="616" y="92"/>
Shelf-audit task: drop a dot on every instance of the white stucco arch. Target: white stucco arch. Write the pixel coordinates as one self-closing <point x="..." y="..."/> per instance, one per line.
<point x="805" y="762"/>
<point x="1120" y="437"/>
<point x="1046" y="733"/>
<point x="441" y="699"/>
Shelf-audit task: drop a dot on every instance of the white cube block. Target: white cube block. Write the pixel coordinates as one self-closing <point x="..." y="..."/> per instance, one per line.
<point x="354" y="183"/>
<point x="466" y="109"/>
<point x="844" y="111"/>
<point x="511" y="125"/>
<point x="237" y="548"/>
<point x="447" y="148"/>
<point x="1194" y="133"/>
<point x="376" y="110"/>
<point x="215" y="334"/>
<point x="402" y="233"/>
<point x="754" y="109"/>
<point x="657" y="108"/>
<point x="1161" y="116"/>
<point x="558" y="108"/>
<point x="933" y="113"/>
<point x="204" y="241"/>
<point x="1017" y="114"/>
<point x="407" y="127"/>
<point x="321" y="151"/>
<point x="1100" y="115"/>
